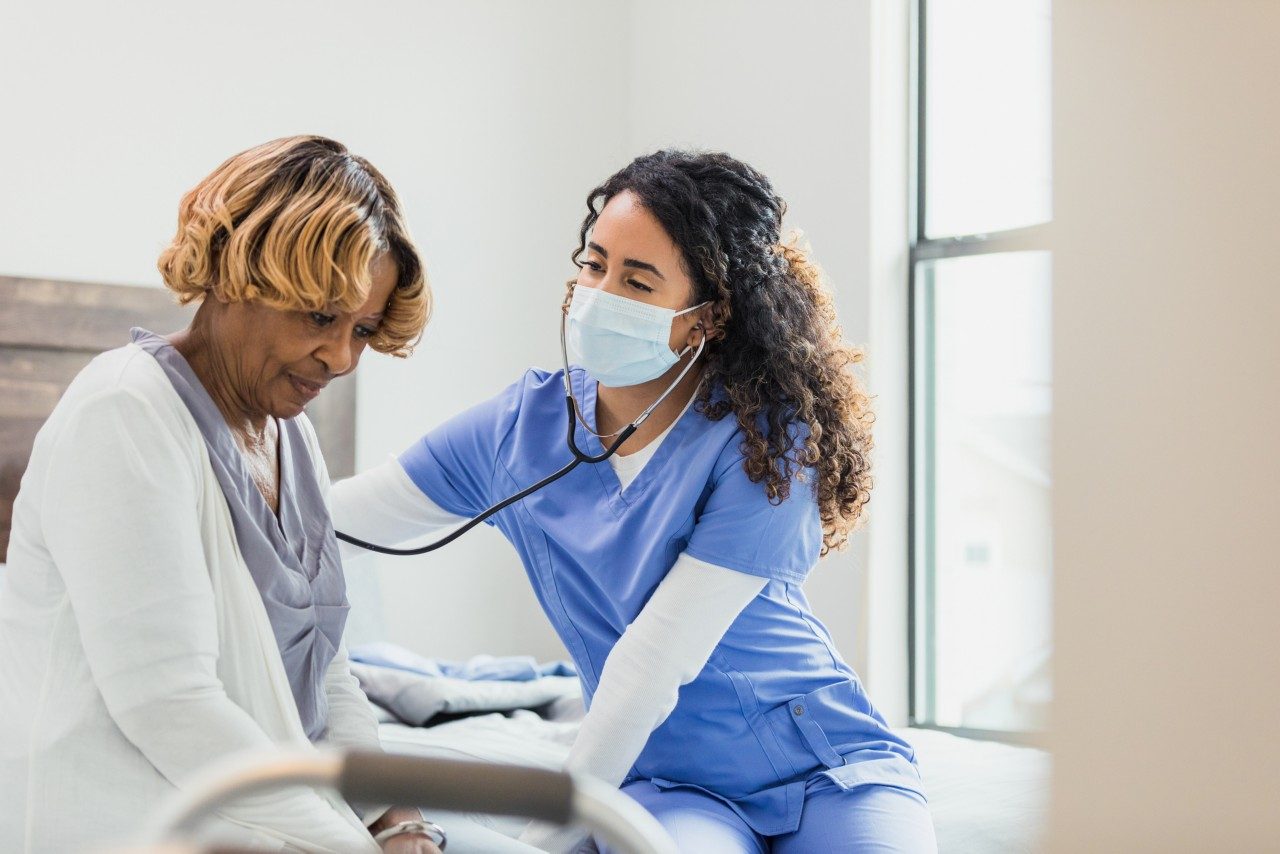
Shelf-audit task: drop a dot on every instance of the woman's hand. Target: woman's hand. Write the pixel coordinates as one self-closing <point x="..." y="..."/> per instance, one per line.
<point x="405" y="843"/>
<point x="410" y="843"/>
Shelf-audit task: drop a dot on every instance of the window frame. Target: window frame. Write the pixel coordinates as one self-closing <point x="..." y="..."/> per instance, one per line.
<point x="921" y="592"/>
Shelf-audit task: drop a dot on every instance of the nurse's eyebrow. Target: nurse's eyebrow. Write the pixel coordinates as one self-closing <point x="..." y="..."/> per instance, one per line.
<point x="643" y="265"/>
<point x="628" y="262"/>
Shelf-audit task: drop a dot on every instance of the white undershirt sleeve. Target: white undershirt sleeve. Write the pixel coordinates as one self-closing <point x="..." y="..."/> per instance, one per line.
<point x="666" y="647"/>
<point x="383" y="506"/>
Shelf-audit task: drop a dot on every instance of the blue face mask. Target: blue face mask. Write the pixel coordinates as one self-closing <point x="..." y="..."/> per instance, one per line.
<point x="620" y="341"/>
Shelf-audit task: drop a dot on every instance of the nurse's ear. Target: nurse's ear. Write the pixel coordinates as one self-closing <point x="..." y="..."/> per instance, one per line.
<point x="706" y="326"/>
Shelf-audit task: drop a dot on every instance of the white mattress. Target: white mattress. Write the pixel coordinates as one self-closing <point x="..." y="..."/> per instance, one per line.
<point x="986" y="798"/>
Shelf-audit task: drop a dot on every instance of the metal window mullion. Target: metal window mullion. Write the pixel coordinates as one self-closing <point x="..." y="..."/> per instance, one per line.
<point x="1029" y="239"/>
<point x="916" y="202"/>
<point x="929" y="510"/>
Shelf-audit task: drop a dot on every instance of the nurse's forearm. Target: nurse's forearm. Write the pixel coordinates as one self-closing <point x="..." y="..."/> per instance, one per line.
<point x="666" y="647"/>
<point x="383" y="506"/>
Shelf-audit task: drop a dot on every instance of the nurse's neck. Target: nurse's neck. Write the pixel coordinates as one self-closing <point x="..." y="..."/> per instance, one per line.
<point x="618" y="407"/>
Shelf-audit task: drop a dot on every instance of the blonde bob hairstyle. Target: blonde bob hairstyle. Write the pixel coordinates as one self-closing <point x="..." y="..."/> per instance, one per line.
<point x="294" y="224"/>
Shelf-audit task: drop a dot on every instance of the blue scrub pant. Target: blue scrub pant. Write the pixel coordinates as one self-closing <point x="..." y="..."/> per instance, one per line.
<point x="865" y="820"/>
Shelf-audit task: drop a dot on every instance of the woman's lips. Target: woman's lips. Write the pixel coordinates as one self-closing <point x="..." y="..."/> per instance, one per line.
<point x="307" y="388"/>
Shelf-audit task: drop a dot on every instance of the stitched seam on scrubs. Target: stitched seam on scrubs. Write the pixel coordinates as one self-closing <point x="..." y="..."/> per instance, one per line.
<point x="753" y="567"/>
<point x="444" y="502"/>
<point x="804" y="615"/>
<point x="552" y="582"/>
<point x="748" y="715"/>
<point x="768" y="573"/>
<point x="497" y="450"/>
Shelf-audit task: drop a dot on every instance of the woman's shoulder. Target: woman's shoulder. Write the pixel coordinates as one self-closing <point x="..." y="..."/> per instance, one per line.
<point x="118" y="404"/>
<point x="122" y="392"/>
<point x="119" y="375"/>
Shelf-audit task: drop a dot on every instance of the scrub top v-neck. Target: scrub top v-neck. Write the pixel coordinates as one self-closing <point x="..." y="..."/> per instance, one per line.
<point x="775" y="703"/>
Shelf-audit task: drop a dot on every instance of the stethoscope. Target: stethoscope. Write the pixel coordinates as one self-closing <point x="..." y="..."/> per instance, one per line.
<point x="579" y="456"/>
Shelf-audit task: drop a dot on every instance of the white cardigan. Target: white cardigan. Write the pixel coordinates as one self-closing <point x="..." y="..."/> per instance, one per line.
<point x="134" y="646"/>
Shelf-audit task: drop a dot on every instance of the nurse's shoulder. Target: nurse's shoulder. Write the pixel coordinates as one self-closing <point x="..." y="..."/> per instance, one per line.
<point x="730" y="441"/>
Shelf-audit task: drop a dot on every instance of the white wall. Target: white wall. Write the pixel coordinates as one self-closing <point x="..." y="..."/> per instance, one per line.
<point x="473" y="110"/>
<point x="1167" y="367"/>
<point x="493" y="119"/>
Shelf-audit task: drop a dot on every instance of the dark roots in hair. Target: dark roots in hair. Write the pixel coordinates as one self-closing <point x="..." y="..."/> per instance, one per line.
<point x="775" y="346"/>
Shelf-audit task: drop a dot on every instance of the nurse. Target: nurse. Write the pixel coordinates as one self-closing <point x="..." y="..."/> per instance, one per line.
<point x="673" y="575"/>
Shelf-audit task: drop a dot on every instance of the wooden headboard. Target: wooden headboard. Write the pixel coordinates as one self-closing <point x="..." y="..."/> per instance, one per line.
<point x="49" y="330"/>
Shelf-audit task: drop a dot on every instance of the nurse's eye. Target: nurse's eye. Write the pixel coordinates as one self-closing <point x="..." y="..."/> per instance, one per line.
<point x="593" y="266"/>
<point x="640" y="286"/>
<point x="321" y="319"/>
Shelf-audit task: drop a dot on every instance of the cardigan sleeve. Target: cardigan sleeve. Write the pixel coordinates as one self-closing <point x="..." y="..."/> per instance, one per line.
<point x="121" y="522"/>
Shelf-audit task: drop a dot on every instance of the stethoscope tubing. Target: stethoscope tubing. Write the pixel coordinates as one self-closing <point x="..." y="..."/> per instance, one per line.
<point x="579" y="456"/>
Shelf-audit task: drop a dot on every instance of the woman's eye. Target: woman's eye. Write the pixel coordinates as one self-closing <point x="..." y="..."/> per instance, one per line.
<point x="365" y="332"/>
<point x="640" y="286"/>
<point x="320" y="319"/>
<point x="594" y="266"/>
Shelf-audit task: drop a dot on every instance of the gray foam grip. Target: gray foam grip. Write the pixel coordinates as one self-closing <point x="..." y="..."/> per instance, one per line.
<point x="451" y="785"/>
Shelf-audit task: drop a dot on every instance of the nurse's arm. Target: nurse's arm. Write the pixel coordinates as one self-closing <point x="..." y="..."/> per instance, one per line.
<point x="666" y="647"/>
<point x="383" y="506"/>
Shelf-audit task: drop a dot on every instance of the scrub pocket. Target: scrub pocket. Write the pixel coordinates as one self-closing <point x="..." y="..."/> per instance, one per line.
<point x="829" y="731"/>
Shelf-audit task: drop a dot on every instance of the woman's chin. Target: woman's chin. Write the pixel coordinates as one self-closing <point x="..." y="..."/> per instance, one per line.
<point x="286" y="409"/>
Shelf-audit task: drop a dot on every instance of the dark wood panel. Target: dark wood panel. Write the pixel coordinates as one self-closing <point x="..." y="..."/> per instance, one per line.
<point x="32" y="381"/>
<point x="42" y="313"/>
<point x="49" y="330"/>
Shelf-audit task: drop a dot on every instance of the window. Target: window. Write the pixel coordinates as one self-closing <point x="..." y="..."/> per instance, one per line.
<point x="980" y="373"/>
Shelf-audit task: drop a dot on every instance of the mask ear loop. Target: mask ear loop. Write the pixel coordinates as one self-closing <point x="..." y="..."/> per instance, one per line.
<point x="568" y="386"/>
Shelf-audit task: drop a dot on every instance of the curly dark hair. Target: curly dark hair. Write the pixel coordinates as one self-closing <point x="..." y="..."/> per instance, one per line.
<point x="774" y="345"/>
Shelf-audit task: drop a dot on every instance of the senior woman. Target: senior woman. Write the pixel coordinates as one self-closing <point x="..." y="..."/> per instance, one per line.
<point x="174" y="592"/>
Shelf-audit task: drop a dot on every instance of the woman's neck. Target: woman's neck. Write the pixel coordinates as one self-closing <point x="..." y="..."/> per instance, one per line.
<point x="618" y="407"/>
<point x="217" y="374"/>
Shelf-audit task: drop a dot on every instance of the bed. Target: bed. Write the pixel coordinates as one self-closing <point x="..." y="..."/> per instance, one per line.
<point x="985" y="797"/>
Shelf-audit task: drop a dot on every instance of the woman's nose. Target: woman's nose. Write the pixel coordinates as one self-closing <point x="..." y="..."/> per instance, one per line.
<point x="338" y="355"/>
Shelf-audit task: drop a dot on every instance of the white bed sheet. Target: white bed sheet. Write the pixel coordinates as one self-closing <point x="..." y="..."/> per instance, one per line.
<point x="986" y="798"/>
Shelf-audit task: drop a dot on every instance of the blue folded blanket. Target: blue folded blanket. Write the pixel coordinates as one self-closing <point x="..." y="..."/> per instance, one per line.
<point x="516" y="668"/>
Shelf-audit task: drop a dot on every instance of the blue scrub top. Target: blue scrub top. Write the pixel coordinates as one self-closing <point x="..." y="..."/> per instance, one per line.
<point x="775" y="703"/>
